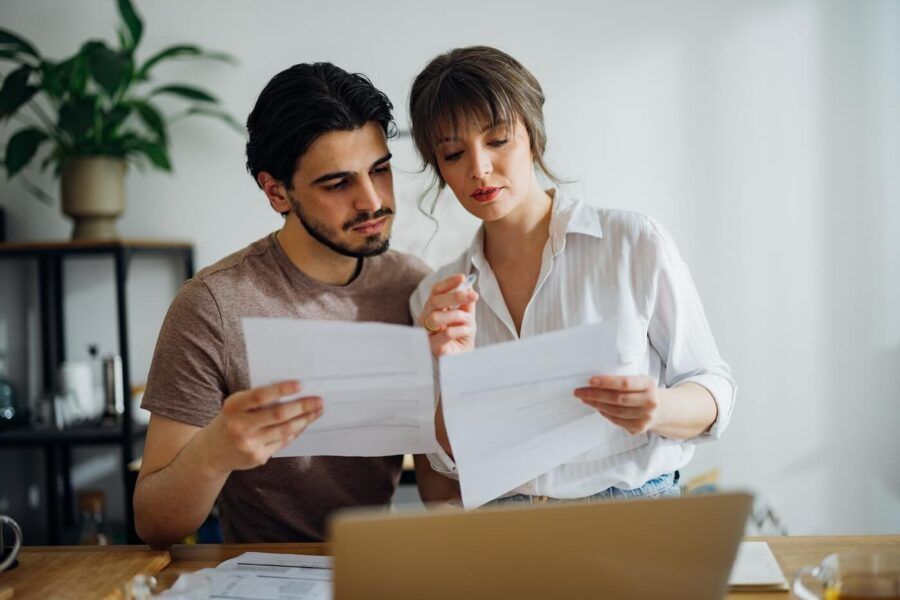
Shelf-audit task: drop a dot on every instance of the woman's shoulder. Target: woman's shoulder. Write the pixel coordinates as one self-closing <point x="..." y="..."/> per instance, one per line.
<point x="618" y="224"/>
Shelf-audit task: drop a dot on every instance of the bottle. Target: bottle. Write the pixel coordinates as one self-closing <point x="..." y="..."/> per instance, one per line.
<point x="7" y="395"/>
<point x="93" y="523"/>
<point x="99" y="406"/>
<point x="113" y="391"/>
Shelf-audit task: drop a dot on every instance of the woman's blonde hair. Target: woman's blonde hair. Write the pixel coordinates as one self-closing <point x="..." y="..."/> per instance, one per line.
<point x="471" y="86"/>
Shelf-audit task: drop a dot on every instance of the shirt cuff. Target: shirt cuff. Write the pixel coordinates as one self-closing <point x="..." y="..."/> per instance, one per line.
<point x="442" y="463"/>
<point x="723" y="393"/>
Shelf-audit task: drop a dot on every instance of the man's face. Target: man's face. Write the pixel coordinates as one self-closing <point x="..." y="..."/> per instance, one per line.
<point x="343" y="191"/>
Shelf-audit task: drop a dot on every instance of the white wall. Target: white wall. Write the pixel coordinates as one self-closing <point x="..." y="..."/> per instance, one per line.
<point x="762" y="133"/>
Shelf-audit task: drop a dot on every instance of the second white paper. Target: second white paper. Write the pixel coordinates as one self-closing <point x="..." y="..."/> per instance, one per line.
<point x="375" y="381"/>
<point x="511" y="414"/>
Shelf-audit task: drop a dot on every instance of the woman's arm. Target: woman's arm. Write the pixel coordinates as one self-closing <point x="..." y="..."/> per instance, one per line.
<point x="636" y="404"/>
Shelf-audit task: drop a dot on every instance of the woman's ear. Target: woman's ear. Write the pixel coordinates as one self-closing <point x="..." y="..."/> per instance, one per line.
<point x="275" y="192"/>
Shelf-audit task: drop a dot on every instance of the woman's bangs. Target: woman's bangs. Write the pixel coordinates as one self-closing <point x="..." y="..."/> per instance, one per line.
<point x="458" y="109"/>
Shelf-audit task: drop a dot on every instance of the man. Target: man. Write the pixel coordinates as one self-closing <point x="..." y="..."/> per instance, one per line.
<point x="317" y="148"/>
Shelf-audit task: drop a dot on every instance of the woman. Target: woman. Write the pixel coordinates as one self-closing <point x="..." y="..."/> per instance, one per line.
<point x="544" y="262"/>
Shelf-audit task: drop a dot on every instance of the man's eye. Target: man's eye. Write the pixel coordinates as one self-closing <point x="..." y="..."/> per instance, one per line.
<point x="337" y="186"/>
<point x="452" y="157"/>
<point x="498" y="143"/>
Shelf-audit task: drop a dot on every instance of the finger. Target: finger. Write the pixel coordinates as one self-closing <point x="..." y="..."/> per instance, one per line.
<point x="445" y="285"/>
<point x="623" y="383"/>
<point x="613" y="398"/>
<point x="284" y="433"/>
<point x="283" y="413"/>
<point x="261" y="396"/>
<point x="445" y="318"/>
<point x="454" y="299"/>
<point x="620" y="412"/>
<point x="441" y="342"/>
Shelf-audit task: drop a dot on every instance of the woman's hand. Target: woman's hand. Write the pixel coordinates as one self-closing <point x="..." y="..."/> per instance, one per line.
<point x="449" y="317"/>
<point x="631" y="402"/>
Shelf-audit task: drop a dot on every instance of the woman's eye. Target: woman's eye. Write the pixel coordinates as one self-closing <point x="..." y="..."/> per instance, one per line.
<point x="384" y="169"/>
<point x="337" y="186"/>
<point x="498" y="143"/>
<point x="452" y="157"/>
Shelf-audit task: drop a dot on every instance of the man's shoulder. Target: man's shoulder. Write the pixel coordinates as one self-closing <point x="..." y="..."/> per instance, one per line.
<point x="401" y="267"/>
<point x="235" y="265"/>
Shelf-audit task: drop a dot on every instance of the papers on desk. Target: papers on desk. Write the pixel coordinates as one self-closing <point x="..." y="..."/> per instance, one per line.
<point x="755" y="569"/>
<point x="511" y="414"/>
<point x="375" y="381"/>
<point x="265" y="576"/>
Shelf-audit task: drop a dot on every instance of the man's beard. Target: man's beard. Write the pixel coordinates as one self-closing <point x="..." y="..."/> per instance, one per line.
<point x="372" y="246"/>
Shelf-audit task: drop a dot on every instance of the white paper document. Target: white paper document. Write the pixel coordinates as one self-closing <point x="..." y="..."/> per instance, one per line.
<point x="265" y="576"/>
<point x="375" y="381"/>
<point x="511" y="413"/>
<point x="756" y="568"/>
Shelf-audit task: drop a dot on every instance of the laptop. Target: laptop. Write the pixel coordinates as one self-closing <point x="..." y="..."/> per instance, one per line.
<point x="643" y="548"/>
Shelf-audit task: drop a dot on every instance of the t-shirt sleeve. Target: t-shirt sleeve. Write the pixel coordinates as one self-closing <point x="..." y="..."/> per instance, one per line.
<point x="187" y="374"/>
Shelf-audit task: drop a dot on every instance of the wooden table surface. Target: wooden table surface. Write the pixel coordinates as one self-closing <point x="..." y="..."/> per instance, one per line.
<point x="99" y="571"/>
<point x="78" y="572"/>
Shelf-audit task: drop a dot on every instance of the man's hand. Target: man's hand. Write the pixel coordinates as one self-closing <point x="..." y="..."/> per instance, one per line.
<point x="449" y="317"/>
<point x="631" y="402"/>
<point x="253" y="425"/>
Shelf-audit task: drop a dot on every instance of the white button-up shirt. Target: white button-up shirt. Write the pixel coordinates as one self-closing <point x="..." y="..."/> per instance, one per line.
<point x="601" y="265"/>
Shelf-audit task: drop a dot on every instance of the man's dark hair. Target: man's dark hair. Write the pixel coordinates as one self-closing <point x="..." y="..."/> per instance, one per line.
<point x="300" y="104"/>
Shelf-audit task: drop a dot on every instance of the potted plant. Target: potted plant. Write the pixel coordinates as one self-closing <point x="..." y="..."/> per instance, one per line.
<point x="92" y="114"/>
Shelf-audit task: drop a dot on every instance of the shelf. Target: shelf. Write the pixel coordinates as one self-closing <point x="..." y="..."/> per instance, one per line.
<point x="91" y="433"/>
<point x="51" y="257"/>
<point x="69" y="247"/>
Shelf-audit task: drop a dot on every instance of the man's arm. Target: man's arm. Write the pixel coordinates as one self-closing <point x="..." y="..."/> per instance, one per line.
<point x="185" y="467"/>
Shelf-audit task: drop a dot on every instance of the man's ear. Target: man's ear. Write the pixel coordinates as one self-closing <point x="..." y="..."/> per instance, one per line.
<point x="275" y="192"/>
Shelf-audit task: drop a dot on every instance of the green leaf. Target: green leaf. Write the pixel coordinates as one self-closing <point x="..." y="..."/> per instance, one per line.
<point x="21" y="148"/>
<point x="168" y="53"/>
<point x="185" y="91"/>
<point x="132" y="21"/>
<point x="10" y="41"/>
<point x="113" y="119"/>
<point x="9" y="54"/>
<point x="180" y="51"/>
<point x="152" y="118"/>
<point x="157" y="154"/>
<point x="216" y="114"/>
<point x="15" y="91"/>
<point x="124" y="42"/>
<point x="77" y="117"/>
<point x="110" y="69"/>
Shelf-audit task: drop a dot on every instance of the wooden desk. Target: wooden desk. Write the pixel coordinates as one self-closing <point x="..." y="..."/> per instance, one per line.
<point x="97" y="572"/>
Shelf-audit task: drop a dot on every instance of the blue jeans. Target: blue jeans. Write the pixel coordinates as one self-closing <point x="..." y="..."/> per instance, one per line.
<point x="666" y="485"/>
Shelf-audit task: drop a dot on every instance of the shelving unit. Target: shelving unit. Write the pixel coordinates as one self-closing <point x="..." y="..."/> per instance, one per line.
<point x="57" y="444"/>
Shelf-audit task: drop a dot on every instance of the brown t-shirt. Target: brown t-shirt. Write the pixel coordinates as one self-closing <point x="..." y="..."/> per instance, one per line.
<point x="200" y="360"/>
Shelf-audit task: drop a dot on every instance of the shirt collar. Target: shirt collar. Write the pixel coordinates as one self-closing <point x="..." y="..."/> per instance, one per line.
<point x="570" y="215"/>
<point x="567" y="215"/>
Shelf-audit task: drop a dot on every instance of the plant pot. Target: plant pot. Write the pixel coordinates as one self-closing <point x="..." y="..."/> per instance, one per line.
<point x="93" y="194"/>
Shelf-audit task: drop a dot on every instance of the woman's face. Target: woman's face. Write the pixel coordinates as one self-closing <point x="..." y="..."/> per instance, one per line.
<point x="490" y="170"/>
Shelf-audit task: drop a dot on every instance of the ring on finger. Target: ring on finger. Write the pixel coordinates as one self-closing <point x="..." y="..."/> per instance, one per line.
<point x="427" y="328"/>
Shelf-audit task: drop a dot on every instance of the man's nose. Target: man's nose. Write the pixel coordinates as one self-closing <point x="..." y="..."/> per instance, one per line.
<point x="368" y="199"/>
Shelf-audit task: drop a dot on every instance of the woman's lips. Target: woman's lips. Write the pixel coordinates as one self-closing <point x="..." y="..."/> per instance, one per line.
<point x="372" y="227"/>
<point x="485" y="194"/>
